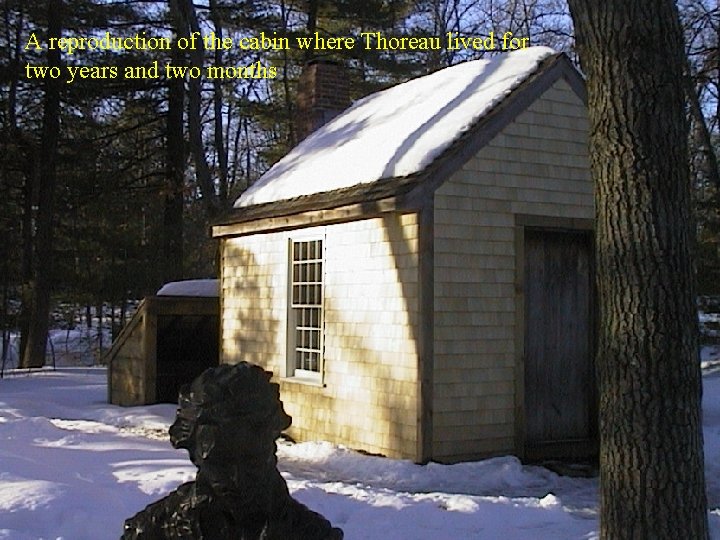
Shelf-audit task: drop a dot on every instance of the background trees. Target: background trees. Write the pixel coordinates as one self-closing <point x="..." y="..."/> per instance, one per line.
<point x="109" y="186"/>
<point x="143" y="165"/>
<point x="701" y="22"/>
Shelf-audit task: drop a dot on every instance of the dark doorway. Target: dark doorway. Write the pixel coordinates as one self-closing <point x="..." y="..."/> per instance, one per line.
<point x="186" y="346"/>
<point x="560" y="391"/>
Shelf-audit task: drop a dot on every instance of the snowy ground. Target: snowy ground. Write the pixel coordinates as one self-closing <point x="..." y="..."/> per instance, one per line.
<point x="73" y="467"/>
<point x="79" y="346"/>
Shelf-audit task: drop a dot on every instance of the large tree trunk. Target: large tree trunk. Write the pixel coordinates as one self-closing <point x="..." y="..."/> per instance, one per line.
<point x="220" y="146"/>
<point x="25" y="152"/>
<point x="188" y="24"/>
<point x="37" y="333"/>
<point x="651" y="450"/>
<point x="172" y="263"/>
<point x="175" y="160"/>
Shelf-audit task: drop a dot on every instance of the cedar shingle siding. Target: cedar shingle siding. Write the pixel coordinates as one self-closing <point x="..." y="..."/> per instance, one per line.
<point x="537" y="166"/>
<point x="423" y="300"/>
<point x="367" y="398"/>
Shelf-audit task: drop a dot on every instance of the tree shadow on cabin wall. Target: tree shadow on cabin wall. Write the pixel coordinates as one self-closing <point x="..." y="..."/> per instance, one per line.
<point x="249" y="332"/>
<point x="383" y="392"/>
<point x="253" y="336"/>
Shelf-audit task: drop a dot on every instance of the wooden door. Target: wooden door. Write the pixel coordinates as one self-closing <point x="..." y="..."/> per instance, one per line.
<point x="560" y="395"/>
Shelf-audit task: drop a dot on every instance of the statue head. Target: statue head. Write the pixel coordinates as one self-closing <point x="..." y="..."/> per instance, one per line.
<point x="228" y="421"/>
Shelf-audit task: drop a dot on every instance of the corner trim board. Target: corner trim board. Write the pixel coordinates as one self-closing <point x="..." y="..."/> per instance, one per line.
<point x="426" y="305"/>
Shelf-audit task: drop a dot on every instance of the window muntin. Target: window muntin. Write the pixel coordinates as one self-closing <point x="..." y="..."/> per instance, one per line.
<point x="306" y="316"/>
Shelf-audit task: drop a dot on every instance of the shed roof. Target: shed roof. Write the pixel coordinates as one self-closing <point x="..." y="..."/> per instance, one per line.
<point x="387" y="143"/>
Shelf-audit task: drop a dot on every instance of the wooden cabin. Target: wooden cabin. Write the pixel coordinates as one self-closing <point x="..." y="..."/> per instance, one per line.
<point x="418" y="272"/>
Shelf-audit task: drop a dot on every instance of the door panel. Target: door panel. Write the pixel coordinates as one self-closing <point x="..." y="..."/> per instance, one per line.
<point x="559" y="366"/>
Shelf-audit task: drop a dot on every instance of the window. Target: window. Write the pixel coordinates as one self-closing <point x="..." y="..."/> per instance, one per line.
<point x="305" y="321"/>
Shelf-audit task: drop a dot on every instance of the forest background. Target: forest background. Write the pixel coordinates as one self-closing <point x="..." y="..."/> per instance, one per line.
<point x="109" y="185"/>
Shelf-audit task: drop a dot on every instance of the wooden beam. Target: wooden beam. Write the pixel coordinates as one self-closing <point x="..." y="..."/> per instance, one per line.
<point x="553" y="222"/>
<point x="123" y="335"/>
<point x="149" y="355"/>
<point x="426" y="324"/>
<point x="351" y="212"/>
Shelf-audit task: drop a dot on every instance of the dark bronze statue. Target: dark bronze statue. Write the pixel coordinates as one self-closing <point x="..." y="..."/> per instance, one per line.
<point x="228" y="421"/>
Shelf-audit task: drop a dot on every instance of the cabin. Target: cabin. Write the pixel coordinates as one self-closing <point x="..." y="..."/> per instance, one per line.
<point x="418" y="272"/>
<point x="172" y="338"/>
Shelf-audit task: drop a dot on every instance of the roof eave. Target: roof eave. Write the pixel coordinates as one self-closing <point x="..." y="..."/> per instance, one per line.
<point x="361" y="201"/>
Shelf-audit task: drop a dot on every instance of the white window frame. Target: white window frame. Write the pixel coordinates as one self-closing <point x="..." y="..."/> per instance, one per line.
<point x="293" y="309"/>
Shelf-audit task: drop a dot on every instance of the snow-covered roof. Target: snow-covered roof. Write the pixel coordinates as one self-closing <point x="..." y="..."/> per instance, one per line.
<point x="396" y="132"/>
<point x="191" y="287"/>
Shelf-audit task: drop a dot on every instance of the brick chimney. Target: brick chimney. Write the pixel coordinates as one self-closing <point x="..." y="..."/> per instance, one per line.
<point x="323" y="93"/>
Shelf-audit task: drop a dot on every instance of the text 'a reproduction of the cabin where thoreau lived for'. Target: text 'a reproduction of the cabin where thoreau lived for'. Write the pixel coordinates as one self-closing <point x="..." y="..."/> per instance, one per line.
<point x="271" y="41"/>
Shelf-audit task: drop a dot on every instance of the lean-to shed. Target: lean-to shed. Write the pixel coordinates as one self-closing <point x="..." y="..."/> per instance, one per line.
<point x="171" y="339"/>
<point x="417" y="273"/>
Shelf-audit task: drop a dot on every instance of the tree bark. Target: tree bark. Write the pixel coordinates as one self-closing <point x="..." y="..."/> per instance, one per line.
<point x="27" y="149"/>
<point x="175" y="160"/>
<point x="190" y="25"/>
<point x="220" y="146"/>
<point x="37" y="333"/>
<point x="172" y="261"/>
<point x="651" y="449"/>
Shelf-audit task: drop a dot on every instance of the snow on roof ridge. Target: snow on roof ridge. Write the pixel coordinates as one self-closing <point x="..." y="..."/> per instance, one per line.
<point x="191" y="287"/>
<point x="395" y="132"/>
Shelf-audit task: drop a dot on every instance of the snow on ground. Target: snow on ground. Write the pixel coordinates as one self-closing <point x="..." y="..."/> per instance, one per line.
<point x="709" y="324"/>
<point x="70" y="467"/>
<point x="77" y="346"/>
<point x="710" y="358"/>
<point x="73" y="467"/>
